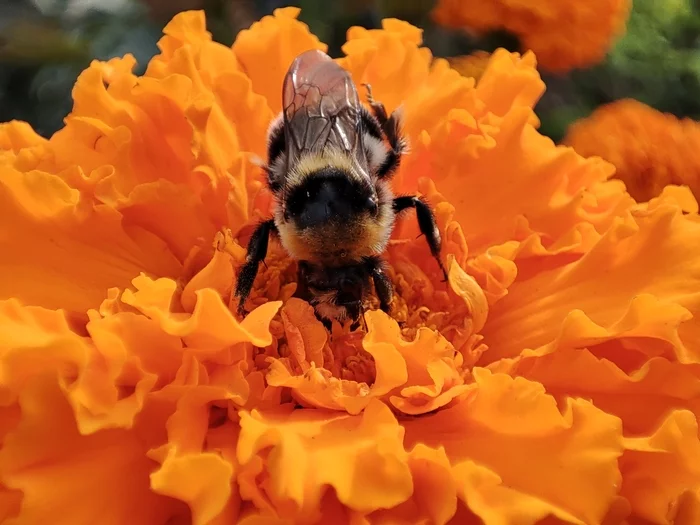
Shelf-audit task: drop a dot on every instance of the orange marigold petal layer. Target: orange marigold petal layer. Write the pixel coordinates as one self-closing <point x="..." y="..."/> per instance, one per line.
<point x="63" y="252"/>
<point x="627" y="282"/>
<point x="301" y="452"/>
<point x="662" y="471"/>
<point x="54" y="466"/>
<point x="510" y="428"/>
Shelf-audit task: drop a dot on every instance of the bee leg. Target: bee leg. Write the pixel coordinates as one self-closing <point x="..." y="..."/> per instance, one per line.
<point x="327" y="323"/>
<point x="383" y="288"/>
<point x="257" y="251"/>
<point x="391" y="127"/>
<point x="426" y="224"/>
<point x="360" y="321"/>
<point x="302" y="291"/>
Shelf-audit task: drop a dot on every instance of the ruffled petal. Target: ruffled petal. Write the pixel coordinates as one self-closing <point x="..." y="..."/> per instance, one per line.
<point x="640" y="397"/>
<point x="54" y="466"/>
<point x="333" y="379"/>
<point x="472" y="162"/>
<point x="432" y="365"/>
<point x="662" y="471"/>
<point x="189" y="472"/>
<point x="81" y="250"/>
<point x="298" y="453"/>
<point x="102" y="379"/>
<point x="211" y="327"/>
<point x="510" y="80"/>
<point x="267" y="49"/>
<point x="642" y="255"/>
<point x="434" y="498"/>
<point x="187" y="49"/>
<point x="391" y="61"/>
<point x="20" y="146"/>
<point x="510" y="429"/>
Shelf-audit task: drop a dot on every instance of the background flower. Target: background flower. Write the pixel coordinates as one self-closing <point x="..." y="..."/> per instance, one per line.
<point x="650" y="150"/>
<point x="564" y="35"/>
<point x="509" y="394"/>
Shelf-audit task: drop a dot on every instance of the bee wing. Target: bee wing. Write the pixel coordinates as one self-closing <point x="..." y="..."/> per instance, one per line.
<point x="321" y="108"/>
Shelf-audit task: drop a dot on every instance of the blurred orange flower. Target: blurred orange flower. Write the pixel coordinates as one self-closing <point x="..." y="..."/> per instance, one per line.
<point x="650" y="149"/>
<point x="564" y="35"/>
<point x="555" y="376"/>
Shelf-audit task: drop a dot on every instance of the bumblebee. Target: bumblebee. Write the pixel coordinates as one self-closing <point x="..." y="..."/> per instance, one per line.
<point x="330" y="161"/>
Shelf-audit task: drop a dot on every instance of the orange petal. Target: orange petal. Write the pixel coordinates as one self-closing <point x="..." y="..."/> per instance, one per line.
<point x="640" y="398"/>
<point x="361" y="457"/>
<point x="135" y="130"/>
<point x="170" y="211"/>
<point x="510" y="429"/>
<point x="244" y="109"/>
<point x="102" y="379"/>
<point x="200" y="478"/>
<point x="472" y="162"/>
<point x="67" y="478"/>
<point x="318" y="386"/>
<point x="466" y="287"/>
<point x="10" y="503"/>
<point x="434" y="497"/>
<point x="80" y="250"/>
<point x="399" y="72"/>
<point x="432" y="364"/>
<point x="648" y="328"/>
<point x="143" y="134"/>
<point x="306" y="336"/>
<point x="217" y="274"/>
<point x="135" y="342"/>
<point x="510" y="80"/>
<point x="267" y="49"/>
<point x="16" y="136"/>
<point x="187" y="48"/>
<point x="642" y="254"/>
<point x="210" y="326"/>
<point x="662" y="471"/>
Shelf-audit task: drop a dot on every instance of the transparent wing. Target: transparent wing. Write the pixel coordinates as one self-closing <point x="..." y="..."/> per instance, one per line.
<point x="321" y="108"/>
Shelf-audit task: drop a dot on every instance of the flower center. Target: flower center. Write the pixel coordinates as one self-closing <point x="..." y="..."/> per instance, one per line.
<point x="417" y="303"/>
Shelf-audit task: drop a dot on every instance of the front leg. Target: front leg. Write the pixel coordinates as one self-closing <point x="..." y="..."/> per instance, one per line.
<point x="382" y="284"/>
<point x="426" y="224"/>
<point x="383" y="288"/>
<point x="257" y="251"/>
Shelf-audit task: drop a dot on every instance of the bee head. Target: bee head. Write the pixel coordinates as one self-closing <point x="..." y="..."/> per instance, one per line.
<point x="330" y="196"/>
<point x="332" y="217"/>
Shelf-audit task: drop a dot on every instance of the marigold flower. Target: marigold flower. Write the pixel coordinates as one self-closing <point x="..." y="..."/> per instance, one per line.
<point x="555" y="376"/>
<point x="563" y="34"/>
<point x="650" y="149"/>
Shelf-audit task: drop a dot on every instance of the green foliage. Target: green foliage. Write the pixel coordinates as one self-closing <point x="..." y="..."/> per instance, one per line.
<point x="658" y="59"/>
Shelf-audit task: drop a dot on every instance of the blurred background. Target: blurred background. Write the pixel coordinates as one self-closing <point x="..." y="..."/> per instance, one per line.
<point x="654" y="57"/>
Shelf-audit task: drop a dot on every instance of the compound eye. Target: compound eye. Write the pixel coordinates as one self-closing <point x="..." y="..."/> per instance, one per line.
<point x="372" y="205"/>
